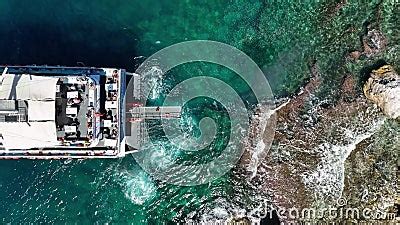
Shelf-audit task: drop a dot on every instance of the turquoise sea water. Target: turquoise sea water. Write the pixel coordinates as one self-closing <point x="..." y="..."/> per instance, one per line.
<point x="281" y="37"/>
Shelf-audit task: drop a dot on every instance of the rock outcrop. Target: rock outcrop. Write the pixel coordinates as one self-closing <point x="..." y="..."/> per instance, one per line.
<point x="383" y="88"/>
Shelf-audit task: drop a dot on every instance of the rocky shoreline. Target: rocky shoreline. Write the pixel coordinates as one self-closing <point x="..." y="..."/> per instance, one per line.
<point x="322" y="154"/>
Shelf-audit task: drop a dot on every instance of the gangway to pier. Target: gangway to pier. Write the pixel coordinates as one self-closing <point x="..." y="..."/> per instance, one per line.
<point x="137" y="114"/>
<point x="137" y="121"/>
<point x="163" y="112"/>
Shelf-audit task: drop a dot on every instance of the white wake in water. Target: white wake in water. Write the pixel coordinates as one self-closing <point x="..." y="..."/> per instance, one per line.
<point x="138" y="186"/>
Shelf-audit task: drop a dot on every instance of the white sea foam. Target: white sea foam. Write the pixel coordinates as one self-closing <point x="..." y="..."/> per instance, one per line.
<point x="153" y="78"/>
<point x="328" y="179"/>
<point x="260" y="151"/>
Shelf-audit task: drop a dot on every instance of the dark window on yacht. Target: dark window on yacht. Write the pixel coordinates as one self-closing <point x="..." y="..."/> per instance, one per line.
<point x="9" y="118"/>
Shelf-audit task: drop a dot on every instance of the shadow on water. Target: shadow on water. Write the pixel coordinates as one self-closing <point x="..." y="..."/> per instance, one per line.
<point x="270" y="219"/>
<point x="365" y="72"/>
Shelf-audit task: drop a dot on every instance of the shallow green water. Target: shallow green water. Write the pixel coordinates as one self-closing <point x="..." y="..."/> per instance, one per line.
<point x="281" y="37"/>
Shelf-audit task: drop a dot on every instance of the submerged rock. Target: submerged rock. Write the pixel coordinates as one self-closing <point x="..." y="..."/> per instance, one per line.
<point x="374" y="42"/>
<point x="383" y="88"/>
